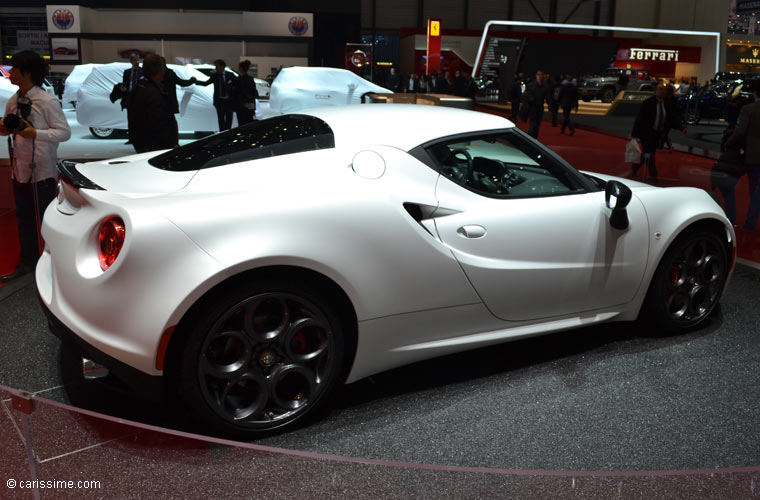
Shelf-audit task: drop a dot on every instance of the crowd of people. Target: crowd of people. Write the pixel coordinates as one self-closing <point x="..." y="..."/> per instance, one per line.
<point x="462" y="84"/>
<point x="149" y="94"/>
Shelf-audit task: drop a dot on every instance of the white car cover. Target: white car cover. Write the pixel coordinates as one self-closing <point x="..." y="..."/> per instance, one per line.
<point x="300" y="88"/>
<point x="7" y="89"/>
<point x="74" y="81"/>
<point x="95" y="109"/>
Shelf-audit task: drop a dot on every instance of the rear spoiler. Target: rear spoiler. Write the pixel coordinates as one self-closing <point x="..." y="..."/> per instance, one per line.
<point x="70" y="174"/>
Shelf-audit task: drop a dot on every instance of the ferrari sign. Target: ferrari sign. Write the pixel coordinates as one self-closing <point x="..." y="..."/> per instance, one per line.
<point x="433" y="46"/>
<point x="435" y="28"/>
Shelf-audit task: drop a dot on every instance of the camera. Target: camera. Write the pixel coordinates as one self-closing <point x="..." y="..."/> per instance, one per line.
<point x="13" y="123"/>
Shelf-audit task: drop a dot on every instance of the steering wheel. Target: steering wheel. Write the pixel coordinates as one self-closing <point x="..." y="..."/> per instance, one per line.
<point x="511" y="179"/>
<point x="469" y="176"/>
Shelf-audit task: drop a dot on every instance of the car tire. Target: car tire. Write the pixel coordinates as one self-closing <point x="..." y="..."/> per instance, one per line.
<point x="688" y="282"/>
<point x="263" y="358"/>
<point x="586" y="99"/>
<point x="103" y="133"/>
<point x="608" y="95"/>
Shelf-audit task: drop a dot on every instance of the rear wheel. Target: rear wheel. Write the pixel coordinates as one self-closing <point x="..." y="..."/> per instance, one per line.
<point x="263" y="359"/>
<point x="688" y="282"/>
<point x="103" y="133"/>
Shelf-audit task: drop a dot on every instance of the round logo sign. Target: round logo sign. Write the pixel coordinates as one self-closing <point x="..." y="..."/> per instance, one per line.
<point x="358" y="58"/>
<point x="298" y="25"/>
<point x="63" y="19"/>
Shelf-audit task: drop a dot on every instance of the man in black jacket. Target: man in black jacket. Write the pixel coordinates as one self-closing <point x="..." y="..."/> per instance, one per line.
<point x="245" y="105"/>
<point x="224" y="93"/>
<point x="151" y="122"/>
<point x="656" y="115"/>
<point x="171" y="80"/>
<point x="129" y="80"/>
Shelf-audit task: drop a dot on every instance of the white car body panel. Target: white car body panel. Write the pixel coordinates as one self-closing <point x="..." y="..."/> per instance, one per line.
<point x="298" y="88"/>
<point x="341" y="212"/>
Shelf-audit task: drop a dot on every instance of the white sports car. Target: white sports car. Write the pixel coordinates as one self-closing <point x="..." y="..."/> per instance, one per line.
<point x="253" y="270"/>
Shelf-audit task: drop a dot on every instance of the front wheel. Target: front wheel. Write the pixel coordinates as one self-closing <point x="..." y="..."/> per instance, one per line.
<point x="608" y="95"/>
<point x="688" y="282"/>
<point x="263" y="359"/>
<point x="692" y="116"/>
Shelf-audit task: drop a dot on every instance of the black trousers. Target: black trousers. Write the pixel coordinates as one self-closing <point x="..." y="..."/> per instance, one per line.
<point x="224" y="114"/>
<point x="566" y="120"/>
<point x="649" y="144"/>
<point x="244" y="116"/>
<point x="23" y="193"/>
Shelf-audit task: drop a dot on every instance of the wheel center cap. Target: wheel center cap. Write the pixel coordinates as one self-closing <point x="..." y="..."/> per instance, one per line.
<point x="267" y="358"/>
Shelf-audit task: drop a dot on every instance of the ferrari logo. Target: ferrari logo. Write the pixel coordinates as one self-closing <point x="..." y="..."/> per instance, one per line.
<point x="435" y="28"/>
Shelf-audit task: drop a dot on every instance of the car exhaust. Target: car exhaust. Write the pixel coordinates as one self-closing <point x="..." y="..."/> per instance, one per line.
<point x="92" y="370"/>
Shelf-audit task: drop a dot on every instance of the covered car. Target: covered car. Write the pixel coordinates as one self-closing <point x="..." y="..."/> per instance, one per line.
<point x="300" y="88"/>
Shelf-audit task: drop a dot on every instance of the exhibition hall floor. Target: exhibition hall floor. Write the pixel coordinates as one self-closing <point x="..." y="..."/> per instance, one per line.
<point x="610" y="411"/>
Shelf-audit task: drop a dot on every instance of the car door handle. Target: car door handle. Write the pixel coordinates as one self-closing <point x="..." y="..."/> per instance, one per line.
<point x="471" y="231"/>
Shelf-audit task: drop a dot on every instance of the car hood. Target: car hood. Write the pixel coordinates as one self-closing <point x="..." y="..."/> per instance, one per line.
<point x="133" y="176"/>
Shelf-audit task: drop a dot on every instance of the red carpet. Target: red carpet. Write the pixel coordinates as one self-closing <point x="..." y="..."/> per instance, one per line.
<point x="602" y="153"/>
<point x="9" y="255"/>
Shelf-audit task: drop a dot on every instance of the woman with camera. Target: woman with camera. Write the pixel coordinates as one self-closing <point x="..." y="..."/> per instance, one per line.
<point x="35" y="124"/>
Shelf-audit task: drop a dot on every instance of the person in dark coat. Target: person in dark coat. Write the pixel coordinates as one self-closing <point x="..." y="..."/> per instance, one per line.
<point x="554" y="89"/>
<point x="393" y="82"/>
<point x="245" y="106"/>
<point x="151" y="122"/>
<point x="171" y="80"/>
<point x="460" y="84"/>
<point x="746" y="137"/>
<point x="568" y="99"/>
<point x="536" y="93"/>
<point x="129" y="80"/>
<point x="224" y="93"/>
<point x="656" y="115"/>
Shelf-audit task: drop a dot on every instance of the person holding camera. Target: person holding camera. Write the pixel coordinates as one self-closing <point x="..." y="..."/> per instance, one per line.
<point x="35" y="125"/>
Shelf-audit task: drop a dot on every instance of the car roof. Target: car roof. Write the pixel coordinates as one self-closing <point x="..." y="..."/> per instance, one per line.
<point x="404" y="126"/>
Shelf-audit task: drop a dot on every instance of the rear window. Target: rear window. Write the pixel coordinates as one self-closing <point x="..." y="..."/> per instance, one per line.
<point x="281" y="135"/>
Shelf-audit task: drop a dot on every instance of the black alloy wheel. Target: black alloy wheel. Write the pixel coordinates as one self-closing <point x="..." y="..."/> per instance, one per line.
<point x="263" y="359"/>
<point x="688" y="282"/>
<point x="608" y="95"/>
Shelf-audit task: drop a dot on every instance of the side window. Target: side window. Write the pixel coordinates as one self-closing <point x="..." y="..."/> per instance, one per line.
<point x="502" y="165"/>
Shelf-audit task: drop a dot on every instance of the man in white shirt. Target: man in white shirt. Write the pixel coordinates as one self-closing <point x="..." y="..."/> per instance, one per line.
<point x="35" y="124"/>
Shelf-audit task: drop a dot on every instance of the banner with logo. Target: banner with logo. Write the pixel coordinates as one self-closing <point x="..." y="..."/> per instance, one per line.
<point x="64" y="19"/>
<point x="743" y="54"/>
<point x="291" y="24"/>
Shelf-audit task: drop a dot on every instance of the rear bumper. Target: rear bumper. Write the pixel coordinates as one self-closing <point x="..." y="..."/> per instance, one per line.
<point x="142" y="384"/>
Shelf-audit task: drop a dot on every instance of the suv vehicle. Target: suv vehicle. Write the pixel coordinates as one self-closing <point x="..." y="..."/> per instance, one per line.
<point x="616" y="79"/>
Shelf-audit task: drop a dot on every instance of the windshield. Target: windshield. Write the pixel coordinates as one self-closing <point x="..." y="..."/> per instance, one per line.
<point x="280" y="135"/>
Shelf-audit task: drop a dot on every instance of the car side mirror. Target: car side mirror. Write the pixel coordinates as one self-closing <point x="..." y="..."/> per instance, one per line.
<point x="617" y="196"/>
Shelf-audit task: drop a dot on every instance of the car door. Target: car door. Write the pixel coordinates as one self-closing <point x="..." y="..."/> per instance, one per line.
<point x="531" y="235"/>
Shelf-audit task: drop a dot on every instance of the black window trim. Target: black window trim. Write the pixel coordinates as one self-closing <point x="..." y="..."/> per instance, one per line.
<point x="420" y="153"/>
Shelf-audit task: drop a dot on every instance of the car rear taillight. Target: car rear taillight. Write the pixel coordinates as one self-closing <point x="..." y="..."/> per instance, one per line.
<point x="110" y="241"/>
